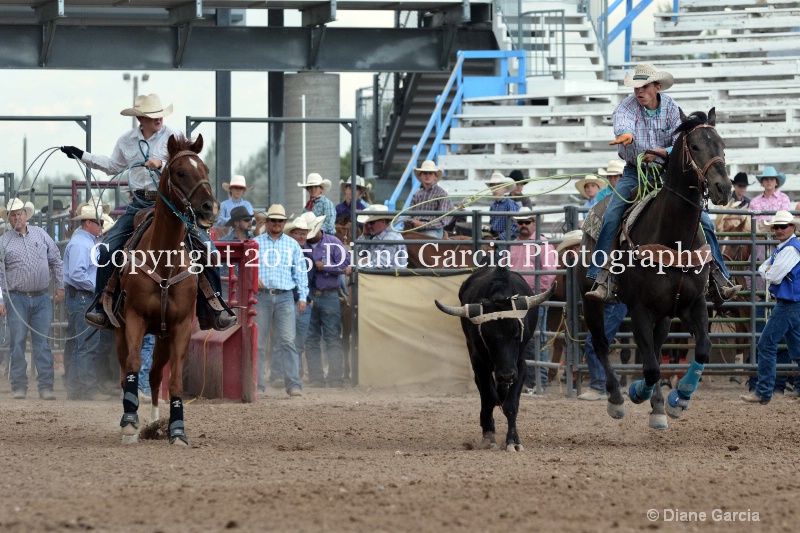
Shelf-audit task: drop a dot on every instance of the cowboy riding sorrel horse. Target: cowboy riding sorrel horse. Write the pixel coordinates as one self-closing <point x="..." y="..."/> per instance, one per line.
<point x="660" y="284"/>
<point x="160" y="292"/>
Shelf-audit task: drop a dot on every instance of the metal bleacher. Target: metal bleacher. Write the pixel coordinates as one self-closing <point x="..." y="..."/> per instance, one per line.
<point x="741" y="57"/>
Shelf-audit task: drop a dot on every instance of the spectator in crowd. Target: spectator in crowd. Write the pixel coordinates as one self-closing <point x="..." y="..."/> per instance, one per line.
<point x="429" y="197"/>
<point x="612" y="174"/>
<point x="240" y="219"/>
<point x="501" y="226"/>
<point x="79" y="276"/>
<point x="589" y="187"/>
<point x="740" y="183"/>
<point x="526" y="253"/>
<point x="318" y="203"/>
<point x="362" y="198"/>
<point x="771" y="199"/>
<point x="298" y="229"/>
<point x="30" y="259"/>
<point x="516" y="193"/>
<point x="330" y="260"/>
<point x="106" y="363"/>
<point x="782" y="275"/>
<point x="143" y="150"/>
<point x="58" y="208"/>
<point x="645" y="123"/>
<point x="377" y="228"/>
<point x="278" y="276"/>
<point x="236" y="189"/>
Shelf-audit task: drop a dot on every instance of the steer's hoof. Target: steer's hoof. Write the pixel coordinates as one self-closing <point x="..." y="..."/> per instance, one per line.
<point x="489" y="442"/>
<point x="514" y="448"/>
<point x="615" y="411"/>
<point x="658" y="421"/>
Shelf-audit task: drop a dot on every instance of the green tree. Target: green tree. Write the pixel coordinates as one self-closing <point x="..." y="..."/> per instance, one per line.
<point x="345" y="165"/>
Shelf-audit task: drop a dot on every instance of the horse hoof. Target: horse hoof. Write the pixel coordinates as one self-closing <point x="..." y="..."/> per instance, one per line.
<point x="615" y="411"/>
<point x="178" y="443"/>
<point x="658" y="421"/>
<point x="130" y="439"/>
<point x="673" y="412"/>
<point x="675" y="405"/>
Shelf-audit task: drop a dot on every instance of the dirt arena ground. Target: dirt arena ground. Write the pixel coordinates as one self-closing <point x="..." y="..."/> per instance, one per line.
<point x="365" y="460"/>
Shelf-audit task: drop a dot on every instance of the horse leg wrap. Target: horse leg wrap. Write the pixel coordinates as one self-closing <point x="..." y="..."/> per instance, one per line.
<point x="176" y="421"/>
<point x="129" y="419"/>
<point x="679" y="398"/>
<point x="130" y="400"/>
<point x="639" y="391"/>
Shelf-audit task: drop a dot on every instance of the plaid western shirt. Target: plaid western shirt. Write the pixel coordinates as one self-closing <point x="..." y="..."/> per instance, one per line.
<point x="384" y="255"/>
<point x="499" y="223"/>
<point x="281" y="264"/>
<point x="29" y="261"/>
<point x="324" y="206"/>
<point x="444" y="204"/>
<point x="649" y="131"/>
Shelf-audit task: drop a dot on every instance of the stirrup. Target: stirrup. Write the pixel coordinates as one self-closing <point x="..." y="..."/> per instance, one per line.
<point x="97" y="320"/>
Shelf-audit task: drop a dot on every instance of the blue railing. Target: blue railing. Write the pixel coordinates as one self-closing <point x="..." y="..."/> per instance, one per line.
<point x="459" y="87"/>
<point x="631" y="12"/>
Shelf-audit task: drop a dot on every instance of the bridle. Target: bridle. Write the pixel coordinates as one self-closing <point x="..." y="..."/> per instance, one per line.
<point x="184" y="197"/>
<point x="687" y="159"/>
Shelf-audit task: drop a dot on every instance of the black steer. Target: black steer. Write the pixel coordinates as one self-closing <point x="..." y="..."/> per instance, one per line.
<point x="498" y="316"/>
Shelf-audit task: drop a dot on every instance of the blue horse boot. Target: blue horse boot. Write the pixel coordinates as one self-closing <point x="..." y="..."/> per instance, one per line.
<point x="639" y="391"/>
<point x="678" y="399"/>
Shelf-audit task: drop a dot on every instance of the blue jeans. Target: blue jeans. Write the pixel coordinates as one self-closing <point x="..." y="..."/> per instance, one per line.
<point x="302" y="322"/>
<point x="278" y="310"/>
<point x="784" y="320"/>
<point x="613" y="315"/>
<point x="781" y="358"/>
<point x="613" y="218"/>
<point x="37" y="311"/>
<point x="148" y="343"/>
<point x="325" y="328"/>
<point x="81" y="373"/>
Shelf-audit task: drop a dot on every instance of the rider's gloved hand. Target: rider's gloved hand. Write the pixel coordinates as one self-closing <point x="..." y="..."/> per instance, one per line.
<point x="72" y="152"/>
<point x="625" y="139"/>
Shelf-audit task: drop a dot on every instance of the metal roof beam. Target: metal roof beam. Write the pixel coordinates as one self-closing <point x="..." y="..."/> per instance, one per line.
<point x="319" y="14"/>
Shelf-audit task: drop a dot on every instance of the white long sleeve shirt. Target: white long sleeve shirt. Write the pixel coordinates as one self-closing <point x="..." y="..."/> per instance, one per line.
<point x="774" y="272"/>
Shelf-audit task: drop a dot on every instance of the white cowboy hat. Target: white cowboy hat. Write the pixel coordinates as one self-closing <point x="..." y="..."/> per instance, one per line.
<point x="275" y="211"/>
<point x="783" y="217"/>
<point x="428" y="166"/>
<point x="315" y="180"/>
<point x="360" y="183"/>
<point x="297" y="223"/>
<point x="313" y="222"/>
<point x="646" y="73"/>
<point x="615" y="168"/>
<point x="88" y="212"/>
<point x="108" y="223"/>
<point x="147" y="106"/>
<point x="236" y="181"/>
<point x="377" y="213"/>
<point x="497" y="178"/>
<point x="525" y="213"/>
<point x="97" y="202"/>
<point x="16" y="204"/>
<point x="571" y="238"/>
<point x="589" y="178"/>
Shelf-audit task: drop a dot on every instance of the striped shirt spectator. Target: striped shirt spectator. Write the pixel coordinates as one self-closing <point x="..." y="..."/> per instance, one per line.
<point x="650" y="128"/>
<point x="80" y="261"/>
<point x="30" y="259"/>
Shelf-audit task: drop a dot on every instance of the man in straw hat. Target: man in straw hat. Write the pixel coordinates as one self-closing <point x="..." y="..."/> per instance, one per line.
<point x="280" y="271"/>
<point x="782" y="275"/>
<point x="79" y="278"/>
<point x="236" y="189"/>
<point x="318" y="203"/>
<point x="589" y="187"/>
<point x="500" y="226"/>
<point x="377" y="228"/>
<point x="612" y="174"/>
<point x="30" y="260"/>
<point x="144" y="150"/>
<point x="645" y="123"/>
<point x="429" y="197"/>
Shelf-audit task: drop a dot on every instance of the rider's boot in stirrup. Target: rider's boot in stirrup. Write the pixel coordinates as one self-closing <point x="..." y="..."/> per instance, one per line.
<point x="720" y="288"/>
<point x="604" y="289"/>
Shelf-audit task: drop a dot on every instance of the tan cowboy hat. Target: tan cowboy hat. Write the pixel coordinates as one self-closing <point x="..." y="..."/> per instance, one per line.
<point x="646" y="73"/>
<point x="783" y="217"/>
<point x="497" y="178"/>
<point x="88" y="212"/>
<point x="615" y="168"/>
<point x="360" y="183"/>
<point x="275" y="211"/>
<point x="314" y="223"/>
<point x="589" y="178"/>
<point x="147" y="106"/>
<point x="525" y="213"/>
<point x="108" y="223"/>
<point x="236" y="181"/>
<point x="97" y="202"/>
<point x="428" y="166"/>
<point x="298" y="223"/>
<point x="315" y="180"/>
<point x="571" y="238"/>
<point x="377" y="212"/>
<point x="16" y="204"/>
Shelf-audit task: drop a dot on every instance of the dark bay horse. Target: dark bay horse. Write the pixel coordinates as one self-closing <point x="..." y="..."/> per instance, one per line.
<point x="160" y="292"/>
<point x="695" y="172"/>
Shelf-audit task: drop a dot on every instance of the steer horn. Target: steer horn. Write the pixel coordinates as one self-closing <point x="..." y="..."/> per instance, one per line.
<point x="539" y="299"/>
<point x="465" y="311"/>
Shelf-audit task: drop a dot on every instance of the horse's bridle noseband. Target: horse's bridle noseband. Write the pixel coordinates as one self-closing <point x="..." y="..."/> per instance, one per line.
<point x="687" y="159"/>
<point x="185" y="197"/>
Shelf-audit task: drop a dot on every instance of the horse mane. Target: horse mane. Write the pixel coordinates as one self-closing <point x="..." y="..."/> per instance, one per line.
<point x="695" y="119"/>
<point x="184" y="143"/>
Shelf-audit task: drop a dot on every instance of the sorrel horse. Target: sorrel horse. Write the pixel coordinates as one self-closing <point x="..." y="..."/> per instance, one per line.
<point x="161" y="291"/>
<point x="695" y="172"/>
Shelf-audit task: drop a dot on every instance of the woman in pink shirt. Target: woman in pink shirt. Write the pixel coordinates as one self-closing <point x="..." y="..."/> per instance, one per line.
<point x="771" y="199"/>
